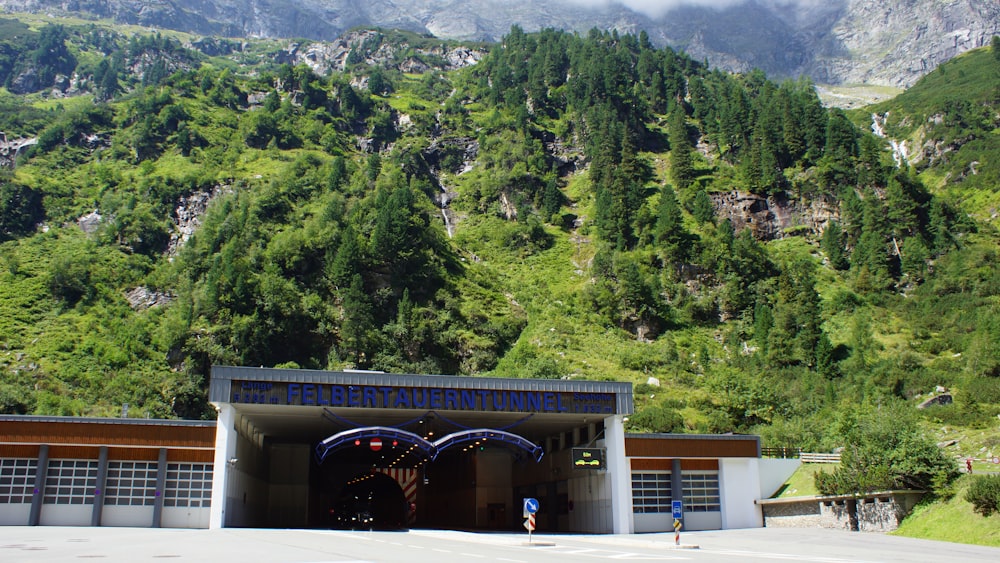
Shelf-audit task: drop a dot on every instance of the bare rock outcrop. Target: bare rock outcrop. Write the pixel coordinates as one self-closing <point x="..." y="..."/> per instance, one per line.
<point x="776" y="216"/>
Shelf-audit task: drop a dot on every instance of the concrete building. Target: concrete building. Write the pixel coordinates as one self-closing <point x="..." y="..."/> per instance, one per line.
<point x="302" y="448"/>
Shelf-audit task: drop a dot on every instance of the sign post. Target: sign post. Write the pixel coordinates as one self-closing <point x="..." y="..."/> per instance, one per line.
<point x="677" y="511"/>
<point x="530" y="508"/>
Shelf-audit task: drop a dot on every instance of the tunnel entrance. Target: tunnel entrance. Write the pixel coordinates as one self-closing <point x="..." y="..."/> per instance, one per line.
<point x="299" y="448"/>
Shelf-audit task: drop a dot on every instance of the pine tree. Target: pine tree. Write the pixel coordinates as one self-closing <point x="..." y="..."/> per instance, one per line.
<point x="702" y="208"/>
<point x="832" y="244"/>
<point x="682" y="172"/>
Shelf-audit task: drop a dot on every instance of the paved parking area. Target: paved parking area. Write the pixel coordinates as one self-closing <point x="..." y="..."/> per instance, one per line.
<point x="50" y="544"/>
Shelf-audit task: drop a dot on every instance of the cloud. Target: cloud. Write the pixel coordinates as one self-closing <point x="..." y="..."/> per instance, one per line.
<point x="657" y="8"/>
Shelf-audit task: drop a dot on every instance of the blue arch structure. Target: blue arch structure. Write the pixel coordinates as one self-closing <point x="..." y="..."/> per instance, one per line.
<point x="424" y="448"/>
<point x="348" y="437"/>
<point x="485" y="435"/>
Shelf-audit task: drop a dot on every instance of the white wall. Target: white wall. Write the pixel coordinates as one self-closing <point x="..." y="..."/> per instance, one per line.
<point x="655" y="522"/>
<point x="127" y="516"/>
<point x="66" y="514"/>
<point x="15" y="514"/>
<point x="774" y="473"/>
<point x="185" y="517"/>
<point x="619" y="474"/>
<point x="225" y="449"/>
<point x="739" y="487"/>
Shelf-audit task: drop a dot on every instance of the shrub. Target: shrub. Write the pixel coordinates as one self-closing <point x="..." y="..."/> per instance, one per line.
<point x="984" y="494"/>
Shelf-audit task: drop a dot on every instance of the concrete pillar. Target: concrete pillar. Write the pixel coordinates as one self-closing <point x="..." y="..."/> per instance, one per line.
<point x="225" y="450"/>
<point x="620" y="475"/>
<point x="99" y="485"/>
<point x="676" y="483"/>
<point x="38" y="494"/>
<point x="161" y="488"/>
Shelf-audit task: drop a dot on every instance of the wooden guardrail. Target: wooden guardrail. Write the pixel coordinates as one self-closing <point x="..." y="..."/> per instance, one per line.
<point x="780" y="453"/>
<point x="811" y="457"/>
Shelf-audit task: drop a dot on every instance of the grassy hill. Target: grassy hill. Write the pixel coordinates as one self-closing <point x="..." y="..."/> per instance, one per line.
<point x="561" y="209"/>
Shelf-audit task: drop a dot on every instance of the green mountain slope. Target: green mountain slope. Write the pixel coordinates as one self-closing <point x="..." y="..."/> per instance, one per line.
<point x="569" y="207"/>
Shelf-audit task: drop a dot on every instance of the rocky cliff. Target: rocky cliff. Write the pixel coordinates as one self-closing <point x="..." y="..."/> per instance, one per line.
<point x="886" y="42"/>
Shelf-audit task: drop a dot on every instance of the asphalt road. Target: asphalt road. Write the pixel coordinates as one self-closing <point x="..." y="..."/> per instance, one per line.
<point x="45" y="544"/>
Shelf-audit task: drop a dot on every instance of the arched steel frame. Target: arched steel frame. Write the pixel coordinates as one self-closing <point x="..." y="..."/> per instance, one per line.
<point x="347" y="437"/>
<point x="426" y="449"/>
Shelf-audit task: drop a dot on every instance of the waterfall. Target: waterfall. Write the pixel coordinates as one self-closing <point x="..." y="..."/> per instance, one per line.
<point x="899" y="151"/>
<point x="444" y="200"/>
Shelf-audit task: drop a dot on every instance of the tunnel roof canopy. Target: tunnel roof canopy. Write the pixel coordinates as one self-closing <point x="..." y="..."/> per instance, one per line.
<point x="312" y="405"/>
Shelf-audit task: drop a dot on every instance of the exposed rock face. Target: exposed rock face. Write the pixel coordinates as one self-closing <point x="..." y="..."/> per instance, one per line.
<point x="774" y="217"/>
<point x="327" y="57"/>
<point x="90" y="222"/>
<point x="890" y="42"/>
<point x="188" y="214"/>
<point x="10" y="149"/>
<point x="142" y="298"/>
<point x="895" y="43"/>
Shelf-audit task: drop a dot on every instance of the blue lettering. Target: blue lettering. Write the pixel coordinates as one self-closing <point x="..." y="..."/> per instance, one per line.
<point x="435" y="398"/>
<point x="337" y="396"/>
<point x="386" y="392"/>
<point x="468" y="400"/>
<point x="320" y="398"/>
<point x="353" y="396"/>
<point x="534" y="401"/>
<point x="308" y="394"/>
<point x="451" y="399"/>
<point x="517" y="401"/>
<point x="422" y="393"/>
<point x="294" y="391"/>
<point x="402" y="398"/>
<point x="559" y="404"/>
<point x="484" y="400"/>
<point x="500" y="400"/>
<point x="550" y="402"/>
<point x="370" y="398"/>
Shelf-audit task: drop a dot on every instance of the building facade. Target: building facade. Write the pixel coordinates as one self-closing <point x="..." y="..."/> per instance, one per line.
<point x="293" y="448"/>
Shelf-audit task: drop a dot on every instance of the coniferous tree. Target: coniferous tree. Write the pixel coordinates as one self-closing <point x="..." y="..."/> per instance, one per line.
<point x="682" y="172"/>
<point x="702" y="208"/>
<point x="670" y="232"/>
<point x="832" y="244"/>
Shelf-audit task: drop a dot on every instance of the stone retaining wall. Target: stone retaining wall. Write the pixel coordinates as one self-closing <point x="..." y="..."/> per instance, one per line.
<point x="877" y="512"/>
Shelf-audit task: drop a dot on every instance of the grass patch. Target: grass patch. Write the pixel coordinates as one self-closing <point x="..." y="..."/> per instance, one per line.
<point x="802" y="483"/>
<point x="951" y="520"/>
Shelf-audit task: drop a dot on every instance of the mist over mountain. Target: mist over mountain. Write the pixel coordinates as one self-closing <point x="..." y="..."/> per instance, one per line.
<point x="892" y="42"/>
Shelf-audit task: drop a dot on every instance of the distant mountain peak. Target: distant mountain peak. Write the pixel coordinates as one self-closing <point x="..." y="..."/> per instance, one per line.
<point x="891" y="43"/>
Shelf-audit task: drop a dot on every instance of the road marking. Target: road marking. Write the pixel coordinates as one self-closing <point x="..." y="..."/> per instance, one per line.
<point x="511" y="560"/>
<point x="766" y="555"/>
<point x="608" y="554"/>
<point x="473" y="555"/>
<point x="441" y="550"/>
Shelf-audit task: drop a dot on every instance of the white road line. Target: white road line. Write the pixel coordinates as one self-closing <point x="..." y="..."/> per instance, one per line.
<point x="511" y="560"/>
<point x="473" y="555"/>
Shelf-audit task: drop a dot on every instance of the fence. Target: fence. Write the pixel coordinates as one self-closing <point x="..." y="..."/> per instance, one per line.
<point x="806" y="457"/>
<point x="809" y="457"/>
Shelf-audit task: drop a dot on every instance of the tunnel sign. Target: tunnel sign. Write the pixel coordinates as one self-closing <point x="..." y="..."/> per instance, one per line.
<point x="401" y="397"/>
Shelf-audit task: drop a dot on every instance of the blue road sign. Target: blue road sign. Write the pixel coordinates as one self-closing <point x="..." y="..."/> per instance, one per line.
<point x="677" y="507"/>
<point x="530" y="505"/>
